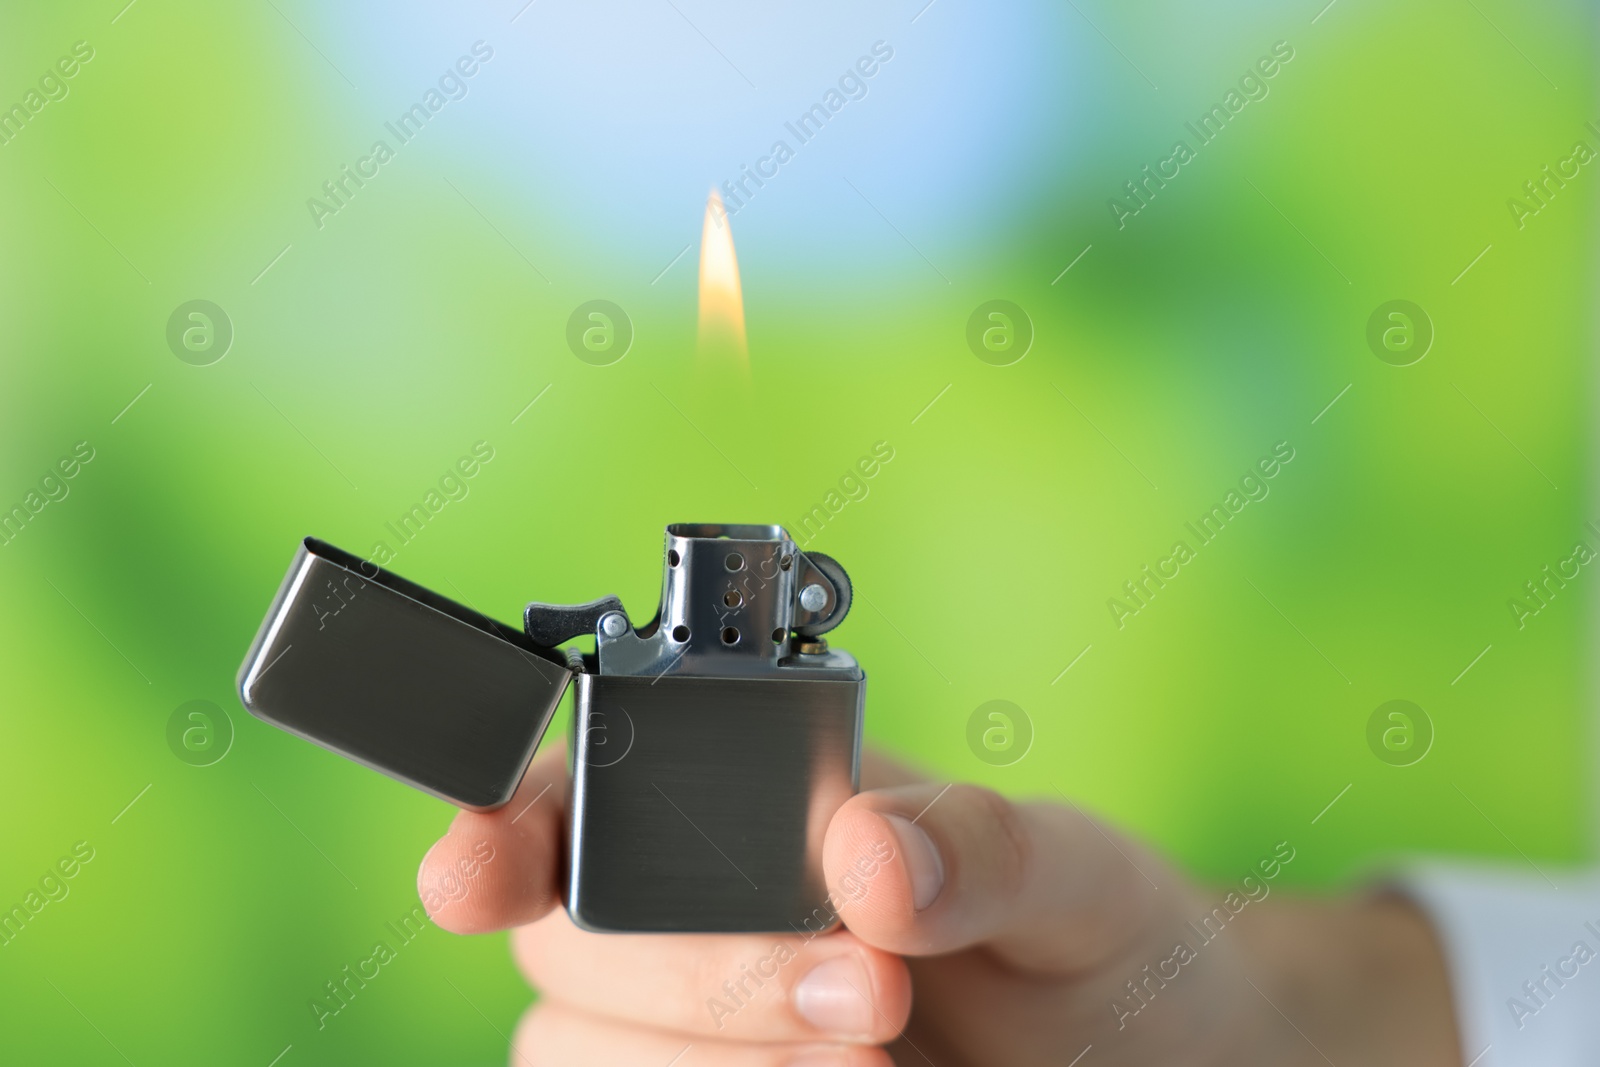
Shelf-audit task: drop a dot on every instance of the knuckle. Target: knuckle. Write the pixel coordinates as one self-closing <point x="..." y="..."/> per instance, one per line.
<point x="702" y="1008"/>
<point x="1005" y="845"/>
<point x="531" y="1038"/>
<point x="728" y="993"/>
<point x="530" y="949"/>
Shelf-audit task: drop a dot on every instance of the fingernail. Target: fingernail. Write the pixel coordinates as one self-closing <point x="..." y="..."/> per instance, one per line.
<point x="833" y="997"/>
<point x="923" y="864"/>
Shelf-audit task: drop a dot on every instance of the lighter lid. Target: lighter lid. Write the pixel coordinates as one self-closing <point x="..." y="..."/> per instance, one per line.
<point x="378" y="669"/>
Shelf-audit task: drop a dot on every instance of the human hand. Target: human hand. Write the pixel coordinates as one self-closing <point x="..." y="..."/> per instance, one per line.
<point x="976" y="931"/>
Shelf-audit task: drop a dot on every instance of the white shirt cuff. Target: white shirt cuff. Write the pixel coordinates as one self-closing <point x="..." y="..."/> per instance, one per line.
<point x="1524" y="961"/>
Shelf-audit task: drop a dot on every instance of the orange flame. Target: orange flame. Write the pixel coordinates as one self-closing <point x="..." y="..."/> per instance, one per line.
<point x="721" y="299"/>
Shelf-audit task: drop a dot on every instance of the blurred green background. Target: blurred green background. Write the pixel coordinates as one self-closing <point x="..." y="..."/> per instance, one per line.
<point x="370" y="352"/>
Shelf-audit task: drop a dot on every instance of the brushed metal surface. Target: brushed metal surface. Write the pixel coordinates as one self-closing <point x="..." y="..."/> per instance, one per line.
<point x="365" y="663"/>
<point x="729" y="605"/>
<point x="700" y="803"/>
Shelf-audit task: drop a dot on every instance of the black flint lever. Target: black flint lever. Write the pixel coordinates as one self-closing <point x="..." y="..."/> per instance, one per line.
<point x="551" y="624"/>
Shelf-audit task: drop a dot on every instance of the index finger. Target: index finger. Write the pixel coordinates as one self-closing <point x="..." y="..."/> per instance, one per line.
<point x="498" y="869"/>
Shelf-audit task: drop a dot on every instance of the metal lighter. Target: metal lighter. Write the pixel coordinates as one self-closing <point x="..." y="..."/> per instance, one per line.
<point x="709" y="747"/>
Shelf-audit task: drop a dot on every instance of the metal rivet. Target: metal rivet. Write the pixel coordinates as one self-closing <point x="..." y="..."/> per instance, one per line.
<point x="813" y="597"/>
<point x="613" y="624"/>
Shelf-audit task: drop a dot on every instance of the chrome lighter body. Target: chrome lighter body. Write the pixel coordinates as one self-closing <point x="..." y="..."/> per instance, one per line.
<point x="709" y="748"/>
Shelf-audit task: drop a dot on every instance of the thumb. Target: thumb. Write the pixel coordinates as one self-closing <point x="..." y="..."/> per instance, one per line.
<point x="923" y="870"/>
